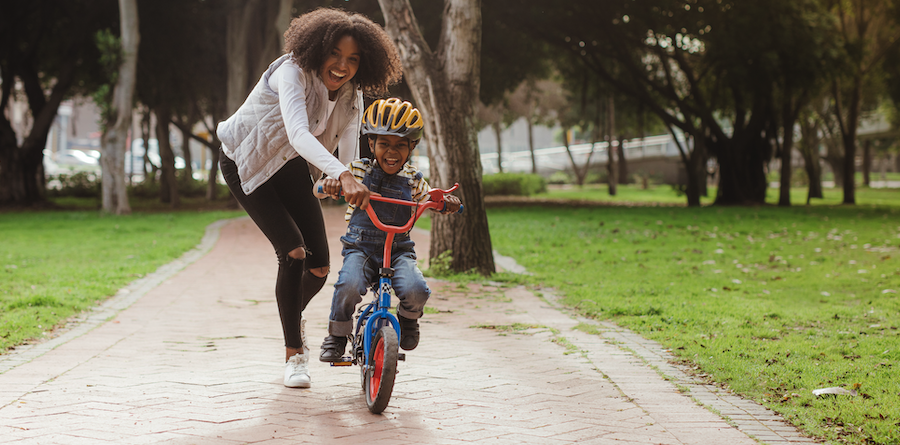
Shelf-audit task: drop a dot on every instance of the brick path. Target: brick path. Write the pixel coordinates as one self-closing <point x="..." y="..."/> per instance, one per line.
<point x="193" y="355"/>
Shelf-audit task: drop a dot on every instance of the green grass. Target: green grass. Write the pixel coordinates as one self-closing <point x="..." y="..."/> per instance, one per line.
<point x="664" y="194"/>
<point x="772" y="302"/>
<point x="55" y="264"/>
<point x="667" y="195"/>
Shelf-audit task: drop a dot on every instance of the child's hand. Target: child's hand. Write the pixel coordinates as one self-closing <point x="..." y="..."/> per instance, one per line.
<point x="451" y="204"/>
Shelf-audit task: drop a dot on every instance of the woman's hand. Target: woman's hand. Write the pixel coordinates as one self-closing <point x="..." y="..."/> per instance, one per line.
<point x="354" y="192"/>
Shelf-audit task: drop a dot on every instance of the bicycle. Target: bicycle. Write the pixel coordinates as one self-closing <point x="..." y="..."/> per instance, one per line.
<point x="375" y="339"/>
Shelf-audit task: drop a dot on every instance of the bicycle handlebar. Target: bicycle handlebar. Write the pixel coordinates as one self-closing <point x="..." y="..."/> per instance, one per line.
<point x="435" y="201"/>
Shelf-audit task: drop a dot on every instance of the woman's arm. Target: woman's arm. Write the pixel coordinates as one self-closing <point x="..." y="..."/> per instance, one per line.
<point x="287" y="83"/>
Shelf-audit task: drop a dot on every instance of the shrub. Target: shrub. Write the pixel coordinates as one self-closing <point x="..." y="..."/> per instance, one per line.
<point x="560" y="177"/>
<point x="518" y="184"/>
<point x="80" y="185"/>
<point x="799" y="178"/>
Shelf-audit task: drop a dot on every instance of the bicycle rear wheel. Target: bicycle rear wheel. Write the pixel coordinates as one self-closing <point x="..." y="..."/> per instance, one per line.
<point x="379" y="381"/>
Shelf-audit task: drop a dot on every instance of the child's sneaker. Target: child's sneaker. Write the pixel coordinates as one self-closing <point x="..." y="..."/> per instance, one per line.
<point x="333" y="349"/>
<point x="409" y="333"/>
<point x="296" y="371"/>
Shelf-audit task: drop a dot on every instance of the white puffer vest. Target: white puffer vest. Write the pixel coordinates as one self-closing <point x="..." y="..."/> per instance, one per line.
<point x="254" y="137"/>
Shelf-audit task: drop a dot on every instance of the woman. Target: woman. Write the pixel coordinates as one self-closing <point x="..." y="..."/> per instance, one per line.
<point x="307" y="104"/>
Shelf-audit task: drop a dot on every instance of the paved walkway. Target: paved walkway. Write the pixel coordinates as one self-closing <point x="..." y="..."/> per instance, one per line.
<point x="193" y="355"/>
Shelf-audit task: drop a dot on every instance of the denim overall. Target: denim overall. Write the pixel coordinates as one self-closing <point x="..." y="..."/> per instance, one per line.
<point x="364" y="250"/>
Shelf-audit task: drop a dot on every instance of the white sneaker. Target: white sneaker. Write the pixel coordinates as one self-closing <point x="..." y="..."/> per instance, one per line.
<point x="296" y="371"/>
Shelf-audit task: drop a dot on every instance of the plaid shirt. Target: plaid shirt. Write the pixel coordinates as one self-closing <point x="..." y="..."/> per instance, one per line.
<point x="416" y="181"/>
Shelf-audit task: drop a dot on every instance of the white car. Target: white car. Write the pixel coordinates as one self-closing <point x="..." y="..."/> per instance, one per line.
<point x="71" y="161"/>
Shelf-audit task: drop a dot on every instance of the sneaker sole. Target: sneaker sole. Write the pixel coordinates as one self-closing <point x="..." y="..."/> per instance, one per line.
<point x="298" y="385"/>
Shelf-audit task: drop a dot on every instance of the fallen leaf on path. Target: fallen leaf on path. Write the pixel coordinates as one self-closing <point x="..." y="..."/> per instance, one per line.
<point x="833" y="391"/>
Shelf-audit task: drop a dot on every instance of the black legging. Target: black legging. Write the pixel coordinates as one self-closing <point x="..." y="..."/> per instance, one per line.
<point x="290" y="217"/>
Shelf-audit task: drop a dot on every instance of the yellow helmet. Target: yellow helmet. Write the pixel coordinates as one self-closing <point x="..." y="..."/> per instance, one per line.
<point x="393" y="117"/>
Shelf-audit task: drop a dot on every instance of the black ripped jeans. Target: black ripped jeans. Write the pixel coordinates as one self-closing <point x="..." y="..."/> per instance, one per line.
<point x="290" y="217"/>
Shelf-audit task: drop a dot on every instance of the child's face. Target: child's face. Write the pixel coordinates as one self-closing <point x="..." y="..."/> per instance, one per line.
<point x="391" y="152"/>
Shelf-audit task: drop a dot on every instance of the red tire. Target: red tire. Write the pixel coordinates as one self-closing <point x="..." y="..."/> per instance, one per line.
<point x="379" y="380"/>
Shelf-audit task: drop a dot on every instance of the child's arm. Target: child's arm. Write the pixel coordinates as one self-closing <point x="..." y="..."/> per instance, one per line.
<point x="420" y="193"/>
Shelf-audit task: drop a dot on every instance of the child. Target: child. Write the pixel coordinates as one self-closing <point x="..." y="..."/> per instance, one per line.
<point x="394" y="128"/>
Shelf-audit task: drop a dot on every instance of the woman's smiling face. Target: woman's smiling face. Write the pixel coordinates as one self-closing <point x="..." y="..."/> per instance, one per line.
<point x="391" y="152"/>
<point x="341" y="64"/>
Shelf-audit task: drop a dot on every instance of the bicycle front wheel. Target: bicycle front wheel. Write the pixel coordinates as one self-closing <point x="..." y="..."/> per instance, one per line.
<point x="380" y="374"/>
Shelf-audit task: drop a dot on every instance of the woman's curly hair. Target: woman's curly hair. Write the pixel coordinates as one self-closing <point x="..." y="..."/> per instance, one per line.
<point x="313" y="35"/>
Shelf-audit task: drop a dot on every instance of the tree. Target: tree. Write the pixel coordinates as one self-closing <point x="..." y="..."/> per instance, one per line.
<point x="705" y="68"/>
<point x="253" y="41"/>
<point x="810" y="140"/>
<point x="48" y="55"/>
<point x="493" y="116"/>
<point x="800" y="57"/>
<point x="536" y="101"/>
<point x="868" y="31"/>
<point x="114" y="140"/>
<point x="190" y="34"/>
<point x="445" y="84"/>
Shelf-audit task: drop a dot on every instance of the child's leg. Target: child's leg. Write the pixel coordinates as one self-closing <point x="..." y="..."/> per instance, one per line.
<point x="352" y="283"/>
<point x="410" y="287"/>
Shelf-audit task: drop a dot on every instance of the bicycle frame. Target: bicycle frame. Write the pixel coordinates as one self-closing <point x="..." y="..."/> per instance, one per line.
<point x="374" y="317"/>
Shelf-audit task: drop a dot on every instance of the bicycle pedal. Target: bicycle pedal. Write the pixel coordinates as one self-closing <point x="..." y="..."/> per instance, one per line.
<point x="401" y="356"/>
<point x="345" y="361"/>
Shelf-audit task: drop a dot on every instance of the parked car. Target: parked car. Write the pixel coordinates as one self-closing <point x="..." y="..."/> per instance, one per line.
<point x="71" y="161"/>
<point x="134" y="158"/>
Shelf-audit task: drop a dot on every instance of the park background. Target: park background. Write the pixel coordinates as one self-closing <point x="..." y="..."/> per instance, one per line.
<point x="723" y="222"/>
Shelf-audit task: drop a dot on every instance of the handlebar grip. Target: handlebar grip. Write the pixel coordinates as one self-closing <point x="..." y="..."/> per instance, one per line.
<point x="461" y="208"/>
<point x="320" y="192"/>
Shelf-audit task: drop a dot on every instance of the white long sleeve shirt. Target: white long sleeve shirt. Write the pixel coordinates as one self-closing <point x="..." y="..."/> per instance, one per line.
<point x="285" y="82"/>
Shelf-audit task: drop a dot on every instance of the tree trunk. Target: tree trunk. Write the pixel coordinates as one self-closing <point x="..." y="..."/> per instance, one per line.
<point x="496" y="127"/>
<point x="867" y="162"/>
<point x="784" y="192"/>
<point x="579" y="177"/>
<point x="694" y="164"/>
<point x="255" y="29"/>
<point x="212" y="178"/>
<point x="528" y="119"/>
<point x="188" y="174"/>
<point x="623" y="163"/>
<point x="742" y="180"/>
<point x="168" y="182"/>
<point x="809" y="148"/>
<point x="114" y="141"/>
<point x="445" y="86"/>
<point x="612" y="171"/>
<point x="149" y="175"/>
<point x="848" y="136"/>
<point x="22" y="180"/>
<point x="696" y="177"/>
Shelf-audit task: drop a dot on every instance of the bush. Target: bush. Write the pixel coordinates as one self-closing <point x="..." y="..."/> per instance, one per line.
<point x="560" y="177"/>
<point x="187" y="187"/>
<point x="596" y="177"/>
<point x="79" y="185"/>
<point x="799" y="178"/>
<point x="518" y="184"/>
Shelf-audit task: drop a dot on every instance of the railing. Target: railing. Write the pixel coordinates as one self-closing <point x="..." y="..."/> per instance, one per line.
<point x="556" y="158"/>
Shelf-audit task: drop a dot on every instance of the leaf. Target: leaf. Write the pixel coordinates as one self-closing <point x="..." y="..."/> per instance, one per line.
<point x="833" y="391"/>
